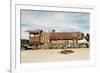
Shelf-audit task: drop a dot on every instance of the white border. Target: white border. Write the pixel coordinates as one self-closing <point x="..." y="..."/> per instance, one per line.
<point x="15" y="56"/>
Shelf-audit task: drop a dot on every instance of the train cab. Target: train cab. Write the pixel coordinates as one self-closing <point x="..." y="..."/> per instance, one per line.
<point x="34" y="36"/>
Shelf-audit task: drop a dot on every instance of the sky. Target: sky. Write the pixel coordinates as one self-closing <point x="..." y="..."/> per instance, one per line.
<point x="48" y="20"/>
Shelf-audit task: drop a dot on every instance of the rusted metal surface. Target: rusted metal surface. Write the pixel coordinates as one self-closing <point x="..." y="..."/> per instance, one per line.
<point x="49" y="36"/>
<point x="65" y="36"/>
<point x="34" y="39"/>
<point x="46" y="39"/>
<point x="57" y="40"/>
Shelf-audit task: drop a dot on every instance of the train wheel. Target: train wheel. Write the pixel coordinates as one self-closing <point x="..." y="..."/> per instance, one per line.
<point x="87" y="45"/>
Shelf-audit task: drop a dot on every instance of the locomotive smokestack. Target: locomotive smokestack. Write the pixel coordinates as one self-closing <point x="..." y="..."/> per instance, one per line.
<point x="53" y="30"/>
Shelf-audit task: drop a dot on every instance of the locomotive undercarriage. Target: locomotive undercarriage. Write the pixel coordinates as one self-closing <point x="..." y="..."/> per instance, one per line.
<point x="64" y="45"/>
<point x="58" y="45"/>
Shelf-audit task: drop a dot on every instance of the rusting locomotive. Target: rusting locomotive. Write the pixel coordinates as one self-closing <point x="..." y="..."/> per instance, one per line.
<point x="40" y="39"/>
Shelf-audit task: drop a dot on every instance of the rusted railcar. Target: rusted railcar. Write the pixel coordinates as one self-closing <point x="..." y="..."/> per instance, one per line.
<point x="39" y="38"/>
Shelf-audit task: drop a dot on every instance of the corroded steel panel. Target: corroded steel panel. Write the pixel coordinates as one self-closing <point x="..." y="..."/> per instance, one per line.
<point x="65" y="36"/>
<point x="49" y="36"/>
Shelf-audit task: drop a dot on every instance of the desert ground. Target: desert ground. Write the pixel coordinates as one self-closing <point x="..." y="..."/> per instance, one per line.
<point x="47" y="55"/>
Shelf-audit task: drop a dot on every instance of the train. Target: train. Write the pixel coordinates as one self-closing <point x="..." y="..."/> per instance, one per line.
<point x="49" y="40"/>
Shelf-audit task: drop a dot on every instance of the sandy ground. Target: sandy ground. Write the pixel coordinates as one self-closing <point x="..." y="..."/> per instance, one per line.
<point x="43" y="55"/>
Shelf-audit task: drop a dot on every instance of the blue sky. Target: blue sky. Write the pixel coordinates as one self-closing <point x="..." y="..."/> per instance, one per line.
<point x="60" y="21"/>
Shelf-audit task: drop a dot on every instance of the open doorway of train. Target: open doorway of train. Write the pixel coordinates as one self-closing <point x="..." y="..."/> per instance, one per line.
<point x="54" y="36"/>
